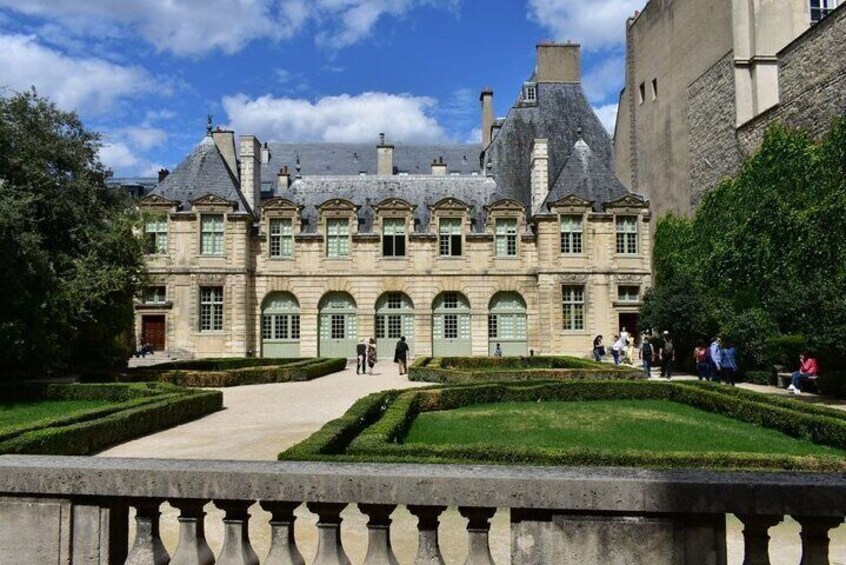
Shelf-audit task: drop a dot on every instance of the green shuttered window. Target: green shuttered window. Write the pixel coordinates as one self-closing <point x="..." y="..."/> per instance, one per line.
<point x="337" y="237"/>
<point x="211" y="234"/>
<point x="155" y="232"/>
<point x="281" y="238"/>
<point x="506" y="237"/>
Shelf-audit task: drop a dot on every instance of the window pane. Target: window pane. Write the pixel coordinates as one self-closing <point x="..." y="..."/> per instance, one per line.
<point x="295" y="326"/>
<point x="337" y="237"/>
<point x="451" y="326"/>
<point x="394" y="326"/>
<point x="338" y="326"/>
<point x="492" y="326"/>
<point x="573" y="307"/>
<point x="211" y="235"/>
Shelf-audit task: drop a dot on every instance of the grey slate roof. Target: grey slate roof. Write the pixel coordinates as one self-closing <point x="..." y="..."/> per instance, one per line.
<point x="330" y="159"/>
<point x="421" y="191"/>
<point x="557" y="114"/>
<point x="202" y="172"/>
<point x="588" y="177"/>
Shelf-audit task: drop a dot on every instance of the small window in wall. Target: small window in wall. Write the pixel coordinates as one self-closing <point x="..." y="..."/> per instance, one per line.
<point x="211" y="308"/>
<point x="281" y="237"/>
<point x="393" y="237"/>
<point x="571" y="235"/>
<point x="641" y="93"/>
<point x="449" y="231"/>
<point x="211" y="234"/>
<point x="506" y="237"/>
<point x="821" y="8"/>
<point x="654" y="88"/>
<point x="154" y="295"/>
<point x="337" y="238"/>
<point x="155" y="232"/>
<point x="530" y="92"/>
<point x="628" y="293"/>
<point x="451" y="300"/>
<point x="627" y="235"/>
<point x="573" y="307"/>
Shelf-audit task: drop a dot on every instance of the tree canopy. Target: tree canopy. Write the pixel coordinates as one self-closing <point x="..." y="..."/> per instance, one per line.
<point x="70" y="263"/>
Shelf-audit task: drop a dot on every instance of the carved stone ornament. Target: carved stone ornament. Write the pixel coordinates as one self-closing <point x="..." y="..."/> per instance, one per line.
<point x="506" y="205"/>
<point x="338" y="204"/>
<point x="211" y="200"/>
<point x="628" y="278"/>
<point x="281" y="205"/>
<point x="574" y="277"/>
<point x="627" y="201"/>
<point x="450" y="204"/>
<point x="208" y="279"/>
<point x="394" y="204"/>
<point x="570" y="201"/>
<point x="156" y="200"/>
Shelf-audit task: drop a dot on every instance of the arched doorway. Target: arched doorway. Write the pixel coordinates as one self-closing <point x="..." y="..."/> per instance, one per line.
<point x="507" y="324"/>
<point x="338" y="325"/>
<point x="280" y="326"/>
<point x="394" y="319"/>
<point x="451" y="325"/>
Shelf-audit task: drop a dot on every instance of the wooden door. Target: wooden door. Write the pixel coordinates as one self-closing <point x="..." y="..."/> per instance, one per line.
<point x="153" y="331"/>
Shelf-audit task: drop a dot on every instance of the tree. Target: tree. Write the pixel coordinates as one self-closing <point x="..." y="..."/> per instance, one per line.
<point x="70" y="263"/>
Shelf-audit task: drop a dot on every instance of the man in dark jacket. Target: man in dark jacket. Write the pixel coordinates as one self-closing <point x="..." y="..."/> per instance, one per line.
<point x="360" y="358"/>
<point x="401" y="356"/>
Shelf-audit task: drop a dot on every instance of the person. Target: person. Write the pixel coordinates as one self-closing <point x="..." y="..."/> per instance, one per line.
<point x="598" y="349"/>
<point x="728" y="362"/>
<point x="360" y="357"/>
<point x="647" y="354"/>
<point x="616" y="348"/>
<point x="700" y="357"/>
<point x="498" y="351"/>
<point x="401" y="356"/>
<point x="714" y="357"/>
<point x="371" y="354"/>
<point x="807" y="371"/>
<point x="630" y="348"/>
<point x="624" y="335"/>
<point x="667" y="353"/>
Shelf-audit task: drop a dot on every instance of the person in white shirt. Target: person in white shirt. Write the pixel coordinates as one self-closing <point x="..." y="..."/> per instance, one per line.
<point x="715" y="356"/>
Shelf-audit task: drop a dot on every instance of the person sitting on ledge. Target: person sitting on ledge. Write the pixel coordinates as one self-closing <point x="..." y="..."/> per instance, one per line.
<point x="807" y="371"/>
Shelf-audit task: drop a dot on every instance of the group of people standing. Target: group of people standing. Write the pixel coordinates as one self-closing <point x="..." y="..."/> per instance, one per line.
<point x="622" y="349"/>
<point x="716" y="362"/>
<point x="365" y="353"/>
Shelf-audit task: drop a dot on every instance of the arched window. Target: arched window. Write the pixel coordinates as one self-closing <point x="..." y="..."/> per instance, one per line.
<point x="280" y="326"/>
<point x="338" y="325"/>
<point x="451" y="325"/>
<point x="507" y="325"/>
<point x="394" y="319"/>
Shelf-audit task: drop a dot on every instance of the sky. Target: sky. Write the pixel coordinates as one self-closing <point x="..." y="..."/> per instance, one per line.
<point x="147" y="73"/>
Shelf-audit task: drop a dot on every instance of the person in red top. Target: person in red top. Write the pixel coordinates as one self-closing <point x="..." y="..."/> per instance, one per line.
<point x="807" y="371"/>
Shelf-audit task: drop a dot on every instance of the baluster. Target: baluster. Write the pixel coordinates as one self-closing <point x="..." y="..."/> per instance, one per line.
<point x="236" y="539"/>
<point x="379" y="550"/>
<point x="148" y="548"/>
<point x="193" y="548"/>
<point x="283" y="547"/>
<point x="756" y="539"/>
<point x="478" y="527"/>
<point x="815" y="538"/>
<point x="428" y="549"/>
<point x="330" y="550"/>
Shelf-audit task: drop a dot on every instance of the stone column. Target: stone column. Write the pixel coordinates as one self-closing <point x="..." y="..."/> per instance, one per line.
<point x="379" y="551"/>
<point x="148" y="548"/>
<point x="330" y="550"/>
<point x="428" y="550"/>
<point x="236" y="541"/>
<point x="478" y="528"/>
<point x="192" y="548"/>
<point x="756" y="539"/>
<point x="815" y="538"/>
<point x="283" y="547"/>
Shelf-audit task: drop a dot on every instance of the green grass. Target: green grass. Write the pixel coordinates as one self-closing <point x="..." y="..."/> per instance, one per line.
<point x="14" y="414"/>
<point x="653" y="425"/>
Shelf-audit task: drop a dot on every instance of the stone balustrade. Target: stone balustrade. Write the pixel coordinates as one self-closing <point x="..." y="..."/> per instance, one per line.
<point x="75" y="510"/>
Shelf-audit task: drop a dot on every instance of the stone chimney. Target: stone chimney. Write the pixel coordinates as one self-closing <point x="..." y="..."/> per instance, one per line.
<point x="265" y="154"/>
<point x="284" y="178"/>
<point x="486" y="97"/>
<point x="163" y="173"/>
<point x="439" y="168"/>
<point x="250" y="170"/>
<point x="384" y="158"/>
<point x="225" y="141"/>
<point x="559" y="62"/>
<point x="540" y="173"/>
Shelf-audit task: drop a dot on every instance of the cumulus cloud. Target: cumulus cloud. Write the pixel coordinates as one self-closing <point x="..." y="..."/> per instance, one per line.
<point x="118" y="157"/>
<point x="88" y="85"/>
<point x="608" y="116"/>
<point x="605" y="79"/>
<point x="596" y="25"/>
<point x="343" y="118"/>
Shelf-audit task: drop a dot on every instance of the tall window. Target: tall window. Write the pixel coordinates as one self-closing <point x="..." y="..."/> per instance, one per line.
<point x="337" y="237"/>
<point x="627" y="235"/>
<point x="506" y="237"/>
<point x="211" y="234"/>
<point x="281" y="237"/>
<point x="393" y="237"/>
<point x="211" y="308"/>
<point x="280" y="326"/>
<point x="155" y="231"/>
<point x="571" y="234"/>
<point x="450" y="237"/>
<point x="154" y="295"/>
<point x="821" y="8"/>
<point x="628" y="293"/>
<point x="573" y="305"/>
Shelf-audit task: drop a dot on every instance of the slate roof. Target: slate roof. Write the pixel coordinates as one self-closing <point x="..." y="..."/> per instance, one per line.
<point x="422" y="191"/>
<point x="588" y="177"/>
<point x="202" y="172"/>
<point x="331" y="159"/>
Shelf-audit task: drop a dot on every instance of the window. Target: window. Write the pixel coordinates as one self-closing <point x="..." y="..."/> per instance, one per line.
<point x="627" y="235"/>
<point x="641" y="93"/>
<point x="280" y="326"/>
<point x="393" y="237"/>
<point x="155" y="232"/>
<point x="573" y="305"/>
<point x="506" y="238"/>
<point x="281" y="237"/>
<point x="628" y="293"/>
<point x="531" y="93"/>
<point x="450" y="237"/>
<point x="451" y="300"/>
<point x="654" y="88"/>
<point x="337" y="238"/>
<point x="493" y="332"/>
<point x="451" y="326"/>
<point x="211" y="234"/>
<point x="154" y="295"/>
<point x="394" y="301"/>
<point x="571" y="234"/>
<point x="338" y="326"/>
<point x="211" y="309"/>
<point x="821" y="8"/>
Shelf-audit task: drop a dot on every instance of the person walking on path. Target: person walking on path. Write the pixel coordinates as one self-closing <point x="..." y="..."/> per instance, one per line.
<point x="667" y="353"/>
<point x="598" y="349"/>
<point x="700" y="357"/>
<point x="616" y="349"/>
<point x="728" y="361"/>
<point x="715" y="356"/>
<point x="624" y="336"/>
<point x="807" y="370"/>
<point x="647" y="354"/>
<point x="371" y="355"/>
<point x="360" y="357"/>
<point x="401" y="356"/>
<point x="630" y="348"/>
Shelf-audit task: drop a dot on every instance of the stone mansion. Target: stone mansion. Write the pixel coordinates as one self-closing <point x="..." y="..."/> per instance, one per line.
<point x="286" y="250"/>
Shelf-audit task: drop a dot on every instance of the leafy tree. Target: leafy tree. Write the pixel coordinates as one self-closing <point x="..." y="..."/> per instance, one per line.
<point x="70" y="263"/>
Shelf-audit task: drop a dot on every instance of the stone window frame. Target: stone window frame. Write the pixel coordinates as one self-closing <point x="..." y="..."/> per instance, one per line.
<point x="211" y="236"/>
<point x="281" y="209"/>
<point x="530" y="92"/>
<point x="451" y="209"/>
<point x="572" y="205"/>
<point x="154" y="205"/>
<point x="583" y="303"/>
<point x="634" y="207"/>
<point x="625" y="298"/>
<point x="393" y="209"/>
<point x="211" y="205"/>
<point x="626" y="242"/>
<point x="157" y="299"/>
<point x="822" y="10"/>
<point x="338" y="209"/>
<point x="510" y="210"/>
<point x="216" y="309"/>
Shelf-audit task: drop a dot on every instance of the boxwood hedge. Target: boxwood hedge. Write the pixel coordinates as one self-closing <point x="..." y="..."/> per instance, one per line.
<point x="466" y="370"/>
<point x="139" y="409"/>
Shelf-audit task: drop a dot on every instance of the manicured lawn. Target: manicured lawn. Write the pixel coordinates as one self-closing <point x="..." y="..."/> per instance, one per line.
<point x="654" y="425"/>
<point x="22" y="413"/>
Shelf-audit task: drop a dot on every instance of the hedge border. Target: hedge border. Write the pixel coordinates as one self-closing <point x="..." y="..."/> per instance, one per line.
<point x="437" y="370"/>
<point x="157" y="407"/>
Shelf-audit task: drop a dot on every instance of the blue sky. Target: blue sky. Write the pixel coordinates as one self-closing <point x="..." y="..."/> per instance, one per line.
<point x="146" y="73"/>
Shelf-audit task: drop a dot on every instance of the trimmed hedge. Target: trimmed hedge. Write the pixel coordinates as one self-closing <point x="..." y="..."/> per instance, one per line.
<point x="469" y="370"/>
<point x="218" y="364"/>
<point x="382" y="439"/>
<point x="268" y="371"/>
<point x="760" y="377"/>
<point x="142" y="409"/>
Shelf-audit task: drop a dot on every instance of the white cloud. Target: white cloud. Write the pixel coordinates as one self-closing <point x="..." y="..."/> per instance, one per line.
<point x="146" y="137"/>
<point x="596" y="25"/>
<point x="608" y="116"/>
<point x="605" y="79"/>
<point x="118" y="157"/>
<point x="343" y="118"/>
<point x="88" y="85"/>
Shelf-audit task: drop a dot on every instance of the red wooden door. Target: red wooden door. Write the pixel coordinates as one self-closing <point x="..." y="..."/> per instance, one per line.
<point x="153" y="331"/>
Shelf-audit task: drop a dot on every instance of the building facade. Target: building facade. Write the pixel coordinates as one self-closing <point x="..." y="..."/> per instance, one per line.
<point x="287" y="250"/>
<point x="704" y="78"/>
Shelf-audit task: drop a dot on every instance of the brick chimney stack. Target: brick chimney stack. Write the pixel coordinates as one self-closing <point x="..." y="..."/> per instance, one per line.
<point x="486" y="98"/>
<point x="439" y="168"/>
<point x="250" y="170"/>
<point x="163" y="173"/>
<point x="559" y="62"/>
<point x="384" y="158"/>
<point x="284" y="178"/>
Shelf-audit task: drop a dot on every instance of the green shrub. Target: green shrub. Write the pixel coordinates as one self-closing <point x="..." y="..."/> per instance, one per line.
<point x="760" y="377"/>
<point x="832" y="383"/>
<point x="216" y="364"/>
<point x="468" y="370"/>
<point x="784" y="350"/>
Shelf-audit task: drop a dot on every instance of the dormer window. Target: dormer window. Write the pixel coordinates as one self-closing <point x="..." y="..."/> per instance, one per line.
<point x="530" y="92"/>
